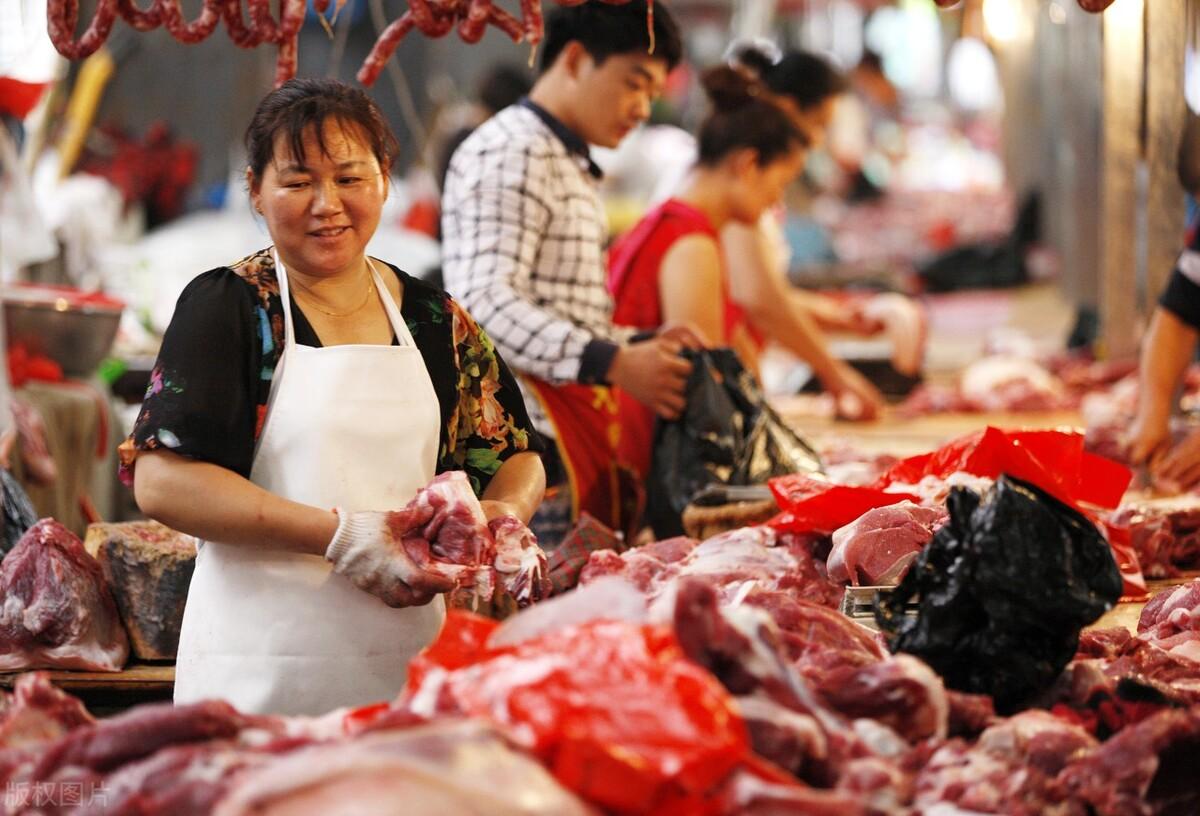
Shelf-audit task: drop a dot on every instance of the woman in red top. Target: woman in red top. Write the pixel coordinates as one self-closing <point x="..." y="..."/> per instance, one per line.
<point x="668" y="269"/>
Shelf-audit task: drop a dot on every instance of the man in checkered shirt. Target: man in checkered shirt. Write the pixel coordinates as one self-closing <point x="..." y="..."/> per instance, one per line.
<point x="523" y="226"/>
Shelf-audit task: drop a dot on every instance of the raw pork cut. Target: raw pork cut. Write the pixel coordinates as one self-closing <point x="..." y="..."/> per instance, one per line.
<point x="1165" y="534"/>
<point x="55" y="610"/>
<point x="443" y="529"/>
<point x="520" y="563"/>
<point x="38" y="712"/>
<point x="878" y="548"/>
<point x="453" y="766"/>
<point x="1171" y="621"/>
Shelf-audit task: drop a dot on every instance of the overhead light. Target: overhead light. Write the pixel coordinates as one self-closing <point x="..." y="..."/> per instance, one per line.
<point x="1058" y="14"/>
<point x="1001" y="20"/>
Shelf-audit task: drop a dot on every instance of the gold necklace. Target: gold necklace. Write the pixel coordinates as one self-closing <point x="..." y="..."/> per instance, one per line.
<point x="370" y="289"/>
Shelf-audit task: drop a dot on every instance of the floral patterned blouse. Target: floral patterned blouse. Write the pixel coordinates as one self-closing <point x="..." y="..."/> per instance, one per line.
<point x="208" y="391"/>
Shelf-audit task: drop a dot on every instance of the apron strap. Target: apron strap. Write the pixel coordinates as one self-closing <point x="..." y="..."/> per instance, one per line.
<point x="399" y="327"/>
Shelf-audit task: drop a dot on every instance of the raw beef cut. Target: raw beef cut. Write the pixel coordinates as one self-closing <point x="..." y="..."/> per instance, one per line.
<point x="448" y="767"/>
<point x="37" y="712"/>
<point x="1039" y="738"/>
<point x="55" y="610"/>
<point x="877" y="549"/>
<point x="900" y="692"/>
<point x="976" y="781"/>
<point x="1147" y="768"/>
<point x="443" y="529"/>
<point x="1165" y="534"/>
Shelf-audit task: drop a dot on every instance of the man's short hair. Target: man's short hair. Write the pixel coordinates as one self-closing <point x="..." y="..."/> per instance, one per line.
<point x="605" y="30"/>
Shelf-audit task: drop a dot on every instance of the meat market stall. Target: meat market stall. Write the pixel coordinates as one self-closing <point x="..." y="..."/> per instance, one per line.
<point x="971" y="606"/>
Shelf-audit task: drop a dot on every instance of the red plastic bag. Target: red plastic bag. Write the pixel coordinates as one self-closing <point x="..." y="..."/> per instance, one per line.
<point x="615" y="710"/>
<point x="1053" y="460"/>
<point x="812" y="506"/>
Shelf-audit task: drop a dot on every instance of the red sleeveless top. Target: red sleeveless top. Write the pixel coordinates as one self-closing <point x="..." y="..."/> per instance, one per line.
<point x="636" y="257"/>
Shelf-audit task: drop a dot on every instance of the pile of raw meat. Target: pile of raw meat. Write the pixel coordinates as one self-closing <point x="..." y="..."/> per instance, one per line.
<point x="1164" y="533"/>
<point x="610" y="701"/>
<point x="57" y="610"/>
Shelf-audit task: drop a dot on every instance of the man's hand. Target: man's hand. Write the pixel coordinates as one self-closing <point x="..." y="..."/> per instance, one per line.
<point x="653" y="373"/>
<point x="1148" y="440"/>
<point x="366" y="550"/>
<point x="1178" y="470"/>
<point x="857" y="399"/>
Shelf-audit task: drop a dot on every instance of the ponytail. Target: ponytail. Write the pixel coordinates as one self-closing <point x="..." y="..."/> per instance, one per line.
<point x="744" y="115"/>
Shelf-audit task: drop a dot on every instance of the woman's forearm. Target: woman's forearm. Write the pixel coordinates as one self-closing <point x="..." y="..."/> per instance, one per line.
<point x="520" y="485"/>
<point x="216" y="504"/>
<point x="768" y="299"/>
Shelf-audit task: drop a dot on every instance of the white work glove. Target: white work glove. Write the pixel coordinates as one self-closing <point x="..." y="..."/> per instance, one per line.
<point x="367" y="549"/>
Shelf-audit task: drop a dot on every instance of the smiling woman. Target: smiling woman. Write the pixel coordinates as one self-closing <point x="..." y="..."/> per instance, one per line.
<point x="309" y="376"/>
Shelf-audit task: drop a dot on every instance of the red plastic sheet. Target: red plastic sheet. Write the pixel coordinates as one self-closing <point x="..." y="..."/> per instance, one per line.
<point x="1054" y="460"/>
<point x="812" y="506"/>
<point x="615" y="710"/>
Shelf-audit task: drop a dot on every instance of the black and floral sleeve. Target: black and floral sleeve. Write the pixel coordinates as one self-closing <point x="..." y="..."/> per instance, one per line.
<point x="483" y="413"/>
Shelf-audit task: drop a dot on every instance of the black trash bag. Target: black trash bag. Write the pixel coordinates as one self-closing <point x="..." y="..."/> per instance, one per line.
<point x="727" y="435"/>
<point x="1004" y="590"/>
<point x="19" y="514"/>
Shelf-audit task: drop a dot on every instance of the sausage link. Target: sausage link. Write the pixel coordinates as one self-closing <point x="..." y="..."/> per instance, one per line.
<point x="195" y="31"/>
<point x="531" y="10"/>
<point x="63" y="15"/>
<point x="475" y="22"/>
<point x="147" y="20"/>
<point x="507" y="23"/>
<point x="384" y="47"/>
<point x="285" y="63"/>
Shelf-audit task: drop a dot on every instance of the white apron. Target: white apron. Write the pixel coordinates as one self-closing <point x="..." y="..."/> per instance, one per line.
<point x="354" y="426"/>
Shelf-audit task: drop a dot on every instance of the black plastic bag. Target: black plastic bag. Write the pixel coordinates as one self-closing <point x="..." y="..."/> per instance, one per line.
<point x="19" y="514"/>
<point x="727" y="435"/>
<point x="1004" y="590"/>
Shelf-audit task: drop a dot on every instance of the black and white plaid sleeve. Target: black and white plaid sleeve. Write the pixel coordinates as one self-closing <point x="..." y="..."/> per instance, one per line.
<point x="498" y="214"/>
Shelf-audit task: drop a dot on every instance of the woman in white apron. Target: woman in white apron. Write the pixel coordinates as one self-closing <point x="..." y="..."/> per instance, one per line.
<point x="299" y="395"/>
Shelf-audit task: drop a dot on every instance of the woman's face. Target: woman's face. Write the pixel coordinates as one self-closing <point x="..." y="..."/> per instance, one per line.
<point x="321" y="211"/>
<point x="760" y="187"/>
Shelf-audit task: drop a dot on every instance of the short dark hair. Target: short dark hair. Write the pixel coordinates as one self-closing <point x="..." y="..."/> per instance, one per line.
<point x="503" y="85"/>
<point x="307" y="102"/>
<point x="605" y="29"/>
<point x="744" y="115"/>
<point x="808" y="79"/>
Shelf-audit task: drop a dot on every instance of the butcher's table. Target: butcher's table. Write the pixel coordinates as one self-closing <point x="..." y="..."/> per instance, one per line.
<point x="104" y="691"/>
<point x="904" y="436"/>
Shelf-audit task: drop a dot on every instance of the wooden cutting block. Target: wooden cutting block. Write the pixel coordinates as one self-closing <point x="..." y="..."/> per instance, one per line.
<point x="148" y="567"/>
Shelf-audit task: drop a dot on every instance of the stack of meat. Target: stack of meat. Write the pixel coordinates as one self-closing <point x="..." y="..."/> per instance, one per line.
<point x="58" y="609"/>
<point x="1109" y="408"/>
<point x="603" y="701"/>
<point x="1164" y="533"/>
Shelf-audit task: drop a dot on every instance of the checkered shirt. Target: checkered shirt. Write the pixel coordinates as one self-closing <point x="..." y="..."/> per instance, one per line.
<point x="523" y="233"/>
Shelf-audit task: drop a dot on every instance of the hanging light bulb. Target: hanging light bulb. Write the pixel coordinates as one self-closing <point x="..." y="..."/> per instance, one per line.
<point x="1001" y="20"/>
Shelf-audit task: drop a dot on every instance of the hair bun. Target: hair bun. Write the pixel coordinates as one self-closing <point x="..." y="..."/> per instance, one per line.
<point x="729" y="89"/>
<point x="757" y="55"/>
